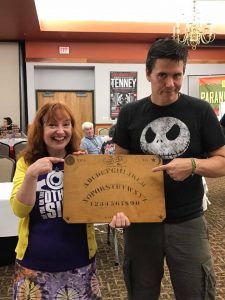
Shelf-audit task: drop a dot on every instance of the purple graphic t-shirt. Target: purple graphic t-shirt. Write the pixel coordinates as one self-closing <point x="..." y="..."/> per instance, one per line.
<point x="53" y="244"/>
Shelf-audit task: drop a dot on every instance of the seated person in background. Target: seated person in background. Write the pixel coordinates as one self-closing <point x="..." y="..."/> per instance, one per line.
<point x="90" y="142"/>
<point x="6" y="127"/>
<point x="10" y="129"/>
<point x="108" y="147"/>
<point x="7" y="123"/>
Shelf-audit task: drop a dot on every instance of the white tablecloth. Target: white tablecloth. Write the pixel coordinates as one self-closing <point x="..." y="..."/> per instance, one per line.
<point x="8" y="221"/>
<point x="12" y="141"/>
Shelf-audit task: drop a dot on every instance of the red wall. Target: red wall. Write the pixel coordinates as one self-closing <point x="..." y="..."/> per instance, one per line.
<point x="110" y="52"/>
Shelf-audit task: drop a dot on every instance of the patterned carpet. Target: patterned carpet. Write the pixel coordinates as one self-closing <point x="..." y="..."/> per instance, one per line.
<point x="110" y="276"/>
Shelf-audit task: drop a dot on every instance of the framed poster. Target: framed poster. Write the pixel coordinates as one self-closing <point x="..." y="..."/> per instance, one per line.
<point x="212" y="89"/>
<point x="123" y="89"/>
<point x="96" y="187"/>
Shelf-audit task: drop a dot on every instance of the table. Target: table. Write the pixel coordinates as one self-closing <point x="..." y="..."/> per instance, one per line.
<point x="8" y="221"/>
<point x="8" y="226"/>
<point x="12" y="141"/>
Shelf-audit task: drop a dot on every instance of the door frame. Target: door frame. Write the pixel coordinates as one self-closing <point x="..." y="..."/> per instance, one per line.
<point x="74" y="91"/>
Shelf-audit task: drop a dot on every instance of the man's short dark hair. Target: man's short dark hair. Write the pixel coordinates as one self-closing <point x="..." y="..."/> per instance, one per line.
<point x="166" y="48"/>
<point x="112" y="130"/>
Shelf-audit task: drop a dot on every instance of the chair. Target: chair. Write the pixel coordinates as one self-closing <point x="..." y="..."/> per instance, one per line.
<point x="113" y="238"/>
<point x="7" y="168"/>
<point x="18" y="147"/>
<point x="4" y="149"/>
<point x="116" y="251"/>
<point x="103" y="131"/>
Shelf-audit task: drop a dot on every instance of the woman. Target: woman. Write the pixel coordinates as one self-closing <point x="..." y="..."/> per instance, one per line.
<point x="55" y="260"/>
<point x="7" y="123"/>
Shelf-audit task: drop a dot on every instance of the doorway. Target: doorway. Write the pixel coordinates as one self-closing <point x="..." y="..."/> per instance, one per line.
<point x="80" y="102"/>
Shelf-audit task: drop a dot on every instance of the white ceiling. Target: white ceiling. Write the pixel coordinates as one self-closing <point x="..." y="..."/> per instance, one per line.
<point x="162" y="11"/>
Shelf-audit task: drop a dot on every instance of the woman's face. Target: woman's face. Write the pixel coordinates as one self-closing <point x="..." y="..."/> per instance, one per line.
<point x="57" y="134"/>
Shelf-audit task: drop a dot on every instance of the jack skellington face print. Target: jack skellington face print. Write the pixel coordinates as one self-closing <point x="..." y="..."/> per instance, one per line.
<point x="167" y="137"/>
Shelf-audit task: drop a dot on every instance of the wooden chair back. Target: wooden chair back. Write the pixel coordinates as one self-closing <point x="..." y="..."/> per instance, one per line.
<point x="104" y="131"/>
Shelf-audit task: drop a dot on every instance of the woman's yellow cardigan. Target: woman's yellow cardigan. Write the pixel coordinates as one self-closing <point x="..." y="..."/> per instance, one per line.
<point x="22" y="211"/>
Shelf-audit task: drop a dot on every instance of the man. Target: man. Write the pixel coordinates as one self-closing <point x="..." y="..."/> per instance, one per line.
<point x="91" y="142"/>
<point x="181" y="129"/>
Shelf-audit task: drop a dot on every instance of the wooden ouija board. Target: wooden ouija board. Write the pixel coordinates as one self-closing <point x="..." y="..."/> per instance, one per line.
<point x="96" y="187"/>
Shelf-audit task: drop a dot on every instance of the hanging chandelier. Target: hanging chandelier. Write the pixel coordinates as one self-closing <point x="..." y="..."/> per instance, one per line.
<point x="194" y="33"/>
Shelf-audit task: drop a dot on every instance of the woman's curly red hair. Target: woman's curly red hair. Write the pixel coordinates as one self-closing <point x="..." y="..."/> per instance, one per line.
<point x="36" y="147"/>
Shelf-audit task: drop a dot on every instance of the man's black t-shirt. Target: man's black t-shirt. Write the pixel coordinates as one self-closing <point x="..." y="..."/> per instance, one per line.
<point x="186" y="128"/>
<point x="222" y="121"/>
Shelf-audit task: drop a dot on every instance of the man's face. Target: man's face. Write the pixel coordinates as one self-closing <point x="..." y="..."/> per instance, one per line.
<point x="166" y="79"/>
<point x="89" y="132"/>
